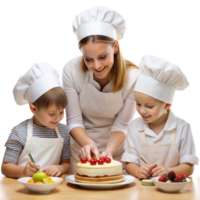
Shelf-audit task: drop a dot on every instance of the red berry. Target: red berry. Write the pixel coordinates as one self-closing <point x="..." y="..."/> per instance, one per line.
<point x="177" y="179"/>
<point x="154" y="166"/>
<point x="103" y="158"/>
<point x="92" y="161"/>
<point x="107" y="160"/>
<point x="100" y="162"/>
<point x="163" y="178"/>
<point x="83" y="160"/>
<point x="171" y="175"/>
<point x="181" y="176"/>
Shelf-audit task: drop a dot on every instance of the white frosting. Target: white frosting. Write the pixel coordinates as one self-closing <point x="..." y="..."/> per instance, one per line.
<point x="109" y="169"/>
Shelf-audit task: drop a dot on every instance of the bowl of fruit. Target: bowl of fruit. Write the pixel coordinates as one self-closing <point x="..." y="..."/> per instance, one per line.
<point x="171" y="182"/>
<point x="40" y="182"/>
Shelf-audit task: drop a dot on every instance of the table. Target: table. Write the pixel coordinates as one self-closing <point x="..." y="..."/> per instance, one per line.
<point x="11" y="189"/>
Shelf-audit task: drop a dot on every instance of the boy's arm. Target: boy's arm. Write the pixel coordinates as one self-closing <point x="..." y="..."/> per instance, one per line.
<point x="14" y="171"/>
<point x="185" y="168"/>
<point x="64" y="166"/>
<point x="132" y="169"/>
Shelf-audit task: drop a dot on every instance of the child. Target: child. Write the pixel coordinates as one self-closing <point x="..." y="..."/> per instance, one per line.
<point x="42" y="136"/>
<point x="158" y="136"/>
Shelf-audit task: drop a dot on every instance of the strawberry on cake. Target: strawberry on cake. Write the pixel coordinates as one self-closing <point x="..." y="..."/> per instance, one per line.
<point x="102" y="171"/>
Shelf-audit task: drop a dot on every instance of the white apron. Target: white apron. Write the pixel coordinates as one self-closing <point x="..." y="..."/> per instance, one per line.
<point x="45" y="151"/>
<point x="99" y="111"/>
<point x="166" y="154"/>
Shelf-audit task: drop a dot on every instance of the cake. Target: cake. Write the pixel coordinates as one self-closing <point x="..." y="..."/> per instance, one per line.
<point x="99" y="173"/>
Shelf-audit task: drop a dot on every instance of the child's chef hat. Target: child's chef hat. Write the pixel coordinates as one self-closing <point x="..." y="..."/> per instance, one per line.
<point x="99" y="21"/>
<point x="159" y="79"/>
<point x="38" y="79"/>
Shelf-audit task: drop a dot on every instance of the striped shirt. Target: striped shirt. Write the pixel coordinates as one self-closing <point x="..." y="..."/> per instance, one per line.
<point x="17" y="139"/>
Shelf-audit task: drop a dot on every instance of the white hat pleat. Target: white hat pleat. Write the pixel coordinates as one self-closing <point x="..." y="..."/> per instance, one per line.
<point x="35" y="82"/>
<point x="159" y="78"/>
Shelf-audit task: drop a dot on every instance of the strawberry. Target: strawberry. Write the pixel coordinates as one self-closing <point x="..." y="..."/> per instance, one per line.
<point x="163" y="178"/>
<point x="181" y="176"/>
<point x="177" y="179"/>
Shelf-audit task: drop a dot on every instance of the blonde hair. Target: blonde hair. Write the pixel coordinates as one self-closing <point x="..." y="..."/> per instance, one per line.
<point x="55" y="95"/>
<point x="118" y="73"/>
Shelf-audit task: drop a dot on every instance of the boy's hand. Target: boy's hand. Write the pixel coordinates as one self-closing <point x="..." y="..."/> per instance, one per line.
<point x="30" y="169"/>
<point x="144" y="171"/>
<point x="159" y="171"/>
<point x="53" y="170"/>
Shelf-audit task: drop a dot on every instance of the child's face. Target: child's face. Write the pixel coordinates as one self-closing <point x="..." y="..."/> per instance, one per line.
<point x="48" y="117"/>
<point x="149" y="108"/>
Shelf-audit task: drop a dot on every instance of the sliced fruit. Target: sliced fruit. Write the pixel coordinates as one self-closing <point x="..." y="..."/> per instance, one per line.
<point x="168" y="181"/>
<point x="51" y="181"/>
<point x="147" y="182"/>
<point x="31" y="181"/>
<point x="49" y="178"/>
<point x="46" y="180"/>
<point x="183" y="180"/>
<point x="39" y="182"/>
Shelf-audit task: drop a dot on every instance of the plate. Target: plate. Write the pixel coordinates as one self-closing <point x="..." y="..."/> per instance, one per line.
<point x="128" y="179"/>
<point x="40" y="188"/>
<point x="170" y="187"/>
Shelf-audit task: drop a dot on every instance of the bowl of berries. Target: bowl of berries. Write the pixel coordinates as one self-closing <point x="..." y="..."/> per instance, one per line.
<point x="171" y="182"/>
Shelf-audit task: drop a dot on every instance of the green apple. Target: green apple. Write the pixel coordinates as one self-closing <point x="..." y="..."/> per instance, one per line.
<point x="39" y="176"/>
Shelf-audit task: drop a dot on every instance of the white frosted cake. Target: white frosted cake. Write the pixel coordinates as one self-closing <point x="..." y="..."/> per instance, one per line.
<point x="104" y="173"/>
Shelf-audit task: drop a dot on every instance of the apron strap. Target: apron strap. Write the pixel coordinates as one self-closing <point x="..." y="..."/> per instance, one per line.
<point x="57" y="132"/>
<point x="172" y="136"/>
<point x="87" y="76"/>
<point x="30" y="127"/>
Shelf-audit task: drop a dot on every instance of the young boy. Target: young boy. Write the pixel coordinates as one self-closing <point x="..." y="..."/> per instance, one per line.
<point x="158" y="136"/>
<point x="42" y="136"/>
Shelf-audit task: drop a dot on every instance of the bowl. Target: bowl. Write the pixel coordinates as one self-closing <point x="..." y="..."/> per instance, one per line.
<point x="40" y="188"/>
<point x="170" y="187"/>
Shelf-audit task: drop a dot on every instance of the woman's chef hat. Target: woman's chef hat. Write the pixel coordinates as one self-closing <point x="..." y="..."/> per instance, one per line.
<point x="99" y="21"/>
<point x="38" y="79"/>
<point x="159" y="79"/>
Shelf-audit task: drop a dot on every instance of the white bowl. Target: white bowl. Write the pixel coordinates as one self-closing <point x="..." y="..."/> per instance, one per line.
<point x="170" y="187"/>
<point x="40" y="188"/>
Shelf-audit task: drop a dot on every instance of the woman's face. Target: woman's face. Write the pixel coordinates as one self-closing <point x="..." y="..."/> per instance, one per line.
<point x="99" y="58"/>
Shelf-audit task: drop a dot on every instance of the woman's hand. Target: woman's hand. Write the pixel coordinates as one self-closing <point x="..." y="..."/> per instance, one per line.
<point x="159" y="171"/>
<point x="53" y="170"/>
<point x="88" y="150"/>
<point x="30" y="169"/>
<point x="107" y="153"/>
<point x="144" y="171"/>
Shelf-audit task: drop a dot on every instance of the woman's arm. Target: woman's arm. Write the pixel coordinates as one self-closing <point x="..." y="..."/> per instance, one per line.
<point x="115" y="139"/>
<point x="79" y="134"/>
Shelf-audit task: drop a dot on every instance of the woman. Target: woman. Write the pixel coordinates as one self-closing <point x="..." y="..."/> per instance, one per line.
<point x="99" y="86"/>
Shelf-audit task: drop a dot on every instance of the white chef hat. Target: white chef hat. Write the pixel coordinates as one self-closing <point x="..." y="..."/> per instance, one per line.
<point x="99" y="21"/>
<point x="35" y="82"/>
<point x="159" y="79"/>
